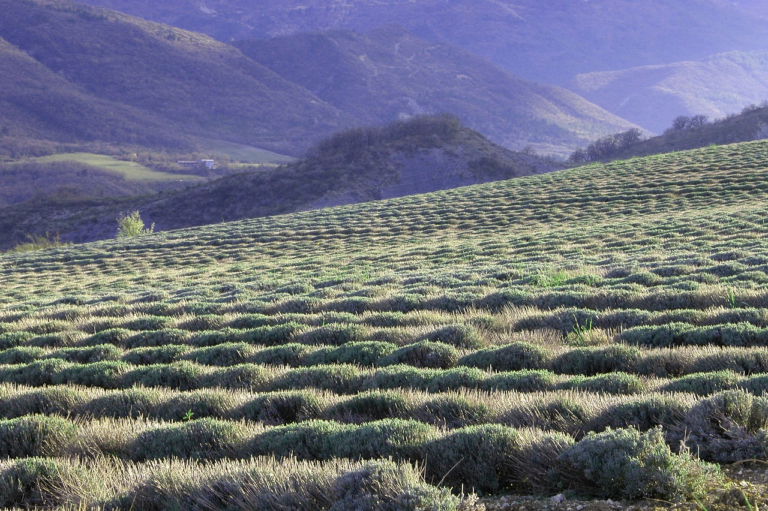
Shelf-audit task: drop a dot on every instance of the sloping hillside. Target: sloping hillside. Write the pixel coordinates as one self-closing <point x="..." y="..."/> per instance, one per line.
<point x="422" y="155"/>
<point x="37" y="103"/>
<point x="548" y="42"/>
<point x="652" y="96"/>
<point x="513" y="337"/>
<point x="750" y="124"/>
<point x="389" y="74"/>
<point x="196" y="85"/>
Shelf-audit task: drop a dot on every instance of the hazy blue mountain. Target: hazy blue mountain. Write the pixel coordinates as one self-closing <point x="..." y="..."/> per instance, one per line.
<point x="651" y="96"/>
<point x="107" y="71"/>
<point x="390" y="74"/>
<point x="547" y="42"/>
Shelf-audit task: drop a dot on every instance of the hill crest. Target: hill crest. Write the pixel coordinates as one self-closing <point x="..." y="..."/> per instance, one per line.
<point x="421" y="155"/>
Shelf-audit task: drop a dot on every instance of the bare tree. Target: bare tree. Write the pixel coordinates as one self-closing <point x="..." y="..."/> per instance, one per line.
<point x="698" y="120"/>
<point x="681" y="123"/>
<point x="579" y="156"/>
<point x="629" y="137"/>
<point x="607" y="146"/>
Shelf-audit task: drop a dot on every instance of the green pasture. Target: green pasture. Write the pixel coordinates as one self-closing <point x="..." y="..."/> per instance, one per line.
<point x="244" y="153"/>
<point x="129" y="170"/>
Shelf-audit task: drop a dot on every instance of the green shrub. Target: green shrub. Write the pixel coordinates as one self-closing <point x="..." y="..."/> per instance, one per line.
<point x="148" y="323"/>
<point x="684" y="334"/>
<point x="352" y="305"/>
<point x="592" y="361"/>
<point x="737" y="335"/>
<point x="246" y="321"/>
<point x="436" y="355"/>
<point x="727" y="427"/>
<point x="181" y="376"/>
<point x="384" y="319"/>
<point x="131" y="225"/>
<point x="298" y="305"/>
<point x="198" y="439"/>
<point x="106" y="375"/>
<point x="389" y="438"/>
<point x="21" y="355"/>
<point x="385" y="486"/>
<point x="456" y="379"/>
<point x="130" y="403"/>
<point x="615" y="383"/>
<point x="516" y="356"/>
<point x="157" y="338"/>
<point x="34" y="435"/>
<point x="520" y="381"/>
<point x="292" y="354"/>
<point x="672" y="334"/>
<point x="560" y="414"/>
<point x="196" y="404"/>
<point x="365" y="353"/>
<point x="757" y="385"/>
<point x="13" y="339"/>
<point x="281" y="408"/>
<point x="704" y="384"/>
<point x="100" y="353"/>
<point x="396" y="336"/>
<point x="272" y="335"/>
<point x="402" y="303"/>
<point x="535" y="461"/>
<point x="627" y="464"/>
<point x="473" y="458"/>
<point x="664" y="363"/>
<point x="228" y="354"/>
<point x="155" y="355"/>
<point x="460" y="336"/>
<point x="370" y="406"/>
<point x="642" y="414"/>
<point x="738" y="360"/>
<point x="56" y="340"/>
<point x="203" y="322"/>
<point x="115" y="336"/>
<point x="35" y="374"/>
<point x="21" y="484"/>
<point x="400" y="377"/>
<point x="453" y="412"/>
<point x="310" y="440"/>
<point x="334" y="335"/>
<point x="215" y="337"/>
<point x="56" y="400"/>
<point x="341" y="379"/>
<point x="248" y="377"/>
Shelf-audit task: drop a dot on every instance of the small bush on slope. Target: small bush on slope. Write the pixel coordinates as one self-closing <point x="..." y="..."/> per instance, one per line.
<point x="627" y="464"/>
<point x="727" y="427"/>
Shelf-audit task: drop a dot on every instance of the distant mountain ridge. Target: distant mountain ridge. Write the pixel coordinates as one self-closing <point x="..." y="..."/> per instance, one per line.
<point x="389" y="74"/>
<point x="119" y="68"/>
<point x="547" y="42"/>
<point x="652" y="96"/>
<point x="96" y="74"/>
<point x="417" y="156"/>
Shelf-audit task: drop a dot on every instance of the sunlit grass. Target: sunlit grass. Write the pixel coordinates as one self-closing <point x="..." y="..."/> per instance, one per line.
<point x="129" y="170"/>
